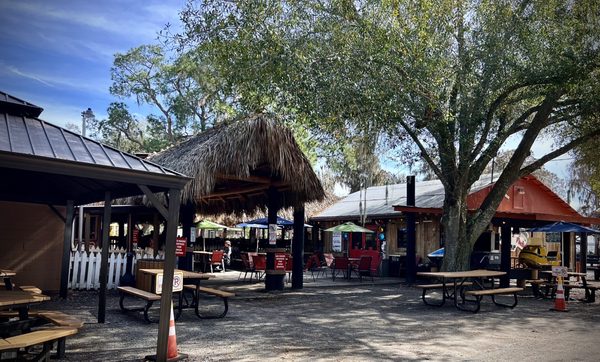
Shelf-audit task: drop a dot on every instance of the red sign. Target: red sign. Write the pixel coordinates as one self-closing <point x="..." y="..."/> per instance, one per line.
<point x="180" y="245"/>
<point x="279" y="261"/>
<point x="135" y="236"/>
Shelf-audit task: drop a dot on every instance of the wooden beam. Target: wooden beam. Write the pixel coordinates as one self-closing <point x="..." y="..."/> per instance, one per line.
<point x="255" y="179"/>
<point x="154" y="200"/>
<point x="167" y="288"/>
<point x="239" y="191"/>
<point x="66" y="257"/>
<point x="104" y="259"/>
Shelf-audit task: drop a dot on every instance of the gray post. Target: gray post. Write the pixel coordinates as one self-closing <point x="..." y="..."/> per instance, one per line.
<point x="298" y="248"/>
<point x="66" y="257"/>
<point x="411" y="232"/>
<point x="104" y="259"/>
<point x="167" y="287"/>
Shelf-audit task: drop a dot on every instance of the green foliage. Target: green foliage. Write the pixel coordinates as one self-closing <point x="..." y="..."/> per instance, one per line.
<point x="446" y="82"/>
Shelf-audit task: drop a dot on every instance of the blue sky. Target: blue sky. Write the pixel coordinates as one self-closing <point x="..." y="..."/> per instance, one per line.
<point x="57" y="54"/>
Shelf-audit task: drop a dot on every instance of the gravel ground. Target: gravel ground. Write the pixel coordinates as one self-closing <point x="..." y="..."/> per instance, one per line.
<point x="346" y="322"/>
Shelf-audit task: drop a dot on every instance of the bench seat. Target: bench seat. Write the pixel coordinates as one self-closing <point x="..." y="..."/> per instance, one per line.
<point x="45" y="337"/>
<point x="479" y="294"/>
<point x="224" y="295"/>
<point x="440" y="285"/>
<point x="150" y="298"/>
<point x="497" y="291"/>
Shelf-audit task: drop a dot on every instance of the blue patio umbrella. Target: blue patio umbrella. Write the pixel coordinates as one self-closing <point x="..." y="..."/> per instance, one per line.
<point x="564" y="227"/>
<point x="264" y="221"/>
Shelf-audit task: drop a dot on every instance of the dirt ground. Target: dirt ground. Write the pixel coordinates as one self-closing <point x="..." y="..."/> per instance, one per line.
<point x="344" y="322"/>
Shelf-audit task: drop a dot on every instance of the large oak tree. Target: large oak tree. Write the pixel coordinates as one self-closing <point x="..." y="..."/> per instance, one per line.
<point x="448" y="82"/>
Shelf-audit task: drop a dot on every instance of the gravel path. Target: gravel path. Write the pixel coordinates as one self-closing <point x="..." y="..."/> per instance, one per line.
<point x="345" y="323"/>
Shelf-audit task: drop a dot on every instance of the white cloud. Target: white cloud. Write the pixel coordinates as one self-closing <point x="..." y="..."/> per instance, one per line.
<point x="86" y="85"/>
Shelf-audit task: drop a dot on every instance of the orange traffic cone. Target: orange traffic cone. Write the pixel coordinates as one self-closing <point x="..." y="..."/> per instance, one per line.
<point x="560" y="305"/>
<point x="172" y="354"/>
<point x="172" y="341"/>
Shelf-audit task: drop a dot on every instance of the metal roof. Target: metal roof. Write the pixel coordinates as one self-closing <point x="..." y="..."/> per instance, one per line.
<point x="380" y="200"/>
<point x="31" y="150"/>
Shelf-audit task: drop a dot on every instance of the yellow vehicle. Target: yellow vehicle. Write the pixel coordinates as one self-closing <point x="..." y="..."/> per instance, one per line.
<point x="537" y="256"/>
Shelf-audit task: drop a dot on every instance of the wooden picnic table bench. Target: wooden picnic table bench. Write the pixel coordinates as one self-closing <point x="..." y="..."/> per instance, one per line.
<point x="224" y="295"/>
<point x="479" y="294"/>
<point x="149" y="297"/>
<point x="20" y="344"/>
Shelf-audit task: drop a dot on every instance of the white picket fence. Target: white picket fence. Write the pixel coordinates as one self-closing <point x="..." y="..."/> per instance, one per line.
<point x="84" y="267"/>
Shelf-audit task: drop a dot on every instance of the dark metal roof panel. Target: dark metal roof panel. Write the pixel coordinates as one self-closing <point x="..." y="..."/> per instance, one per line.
<point x="32" y="136"/>
<point x="18" y="107"/>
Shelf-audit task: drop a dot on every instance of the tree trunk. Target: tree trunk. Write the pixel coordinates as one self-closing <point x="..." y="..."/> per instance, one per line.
<point x="457" y="254"/>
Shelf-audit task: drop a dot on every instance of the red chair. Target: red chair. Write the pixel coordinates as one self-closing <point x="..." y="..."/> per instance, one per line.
<point x="340" y="263"/>
<point x="364" y="267"/>
<point x="260" y="265"/>
<point x="248" y="266"/>
<point x="217" y="259"/>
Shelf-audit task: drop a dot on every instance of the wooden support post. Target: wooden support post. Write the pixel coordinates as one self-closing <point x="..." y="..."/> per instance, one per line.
<point x="505" y="256"/>
<point x="104" y="259"/>
<point x="66" y="256"/>
<point x="298" y="248"/>
<point x="411" y="234"/>
<point x="167" y="287"/>
<point x="87" y="230"/>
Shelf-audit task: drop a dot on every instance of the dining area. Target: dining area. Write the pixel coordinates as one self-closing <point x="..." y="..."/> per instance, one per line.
<point x="24" y="328"/>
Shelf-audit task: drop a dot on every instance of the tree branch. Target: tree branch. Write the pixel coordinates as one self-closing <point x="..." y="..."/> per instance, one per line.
<point x="558" y="152"/>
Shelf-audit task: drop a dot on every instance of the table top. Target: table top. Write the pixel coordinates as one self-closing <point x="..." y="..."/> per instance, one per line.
<point x="7" y="273"/>
<point x="479" y="273"/>
<point x="186" y="273"/>
<point x="10" y="298"/>
<point x="203" y="252"/>
<point x="571" y="274"/>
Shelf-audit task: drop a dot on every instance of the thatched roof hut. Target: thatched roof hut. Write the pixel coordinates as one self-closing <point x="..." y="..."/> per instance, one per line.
<point x="234" y="165"/>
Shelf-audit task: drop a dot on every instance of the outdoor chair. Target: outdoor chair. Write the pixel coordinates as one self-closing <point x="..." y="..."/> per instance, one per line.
<point x="313" y="265"/>
<point x="216" y="259"/>
<point x="364" y="267"/>
<point x="340" y="264"/>
<point x="260" y="265"/>
<point x="248" y="266"/>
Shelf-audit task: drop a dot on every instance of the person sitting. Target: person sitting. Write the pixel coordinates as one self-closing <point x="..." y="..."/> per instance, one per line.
<point x="227" y="253"/>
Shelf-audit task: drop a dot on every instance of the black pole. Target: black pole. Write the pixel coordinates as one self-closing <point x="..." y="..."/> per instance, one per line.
<point x="411" y="234"/>
<point x="104" y="258"/>
<point x="298" y="248"/>
<point x="274" y="279"/>
<point x="583" y="252"/>
<point x="566" y="238"/>
<point x="505" y="256"/>
<point x="66" y="257"/>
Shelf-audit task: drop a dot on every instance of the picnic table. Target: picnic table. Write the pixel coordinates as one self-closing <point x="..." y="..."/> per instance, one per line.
<point x="467" y="283"/>
<point x="590" y="290"/>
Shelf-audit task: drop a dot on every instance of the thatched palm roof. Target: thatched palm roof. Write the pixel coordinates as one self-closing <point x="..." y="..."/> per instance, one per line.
<point x="233" y="165"/>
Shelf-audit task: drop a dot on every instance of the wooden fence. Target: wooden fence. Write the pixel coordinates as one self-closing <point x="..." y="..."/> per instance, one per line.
<point x="84" y="267"/>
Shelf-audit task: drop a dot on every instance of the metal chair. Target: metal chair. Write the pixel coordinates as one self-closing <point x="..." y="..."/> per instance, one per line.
<point x="217" y="259"/>
<point x="364" y="267"/>
<point x="340" y="263"/>
<point x="248" y="266"/>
